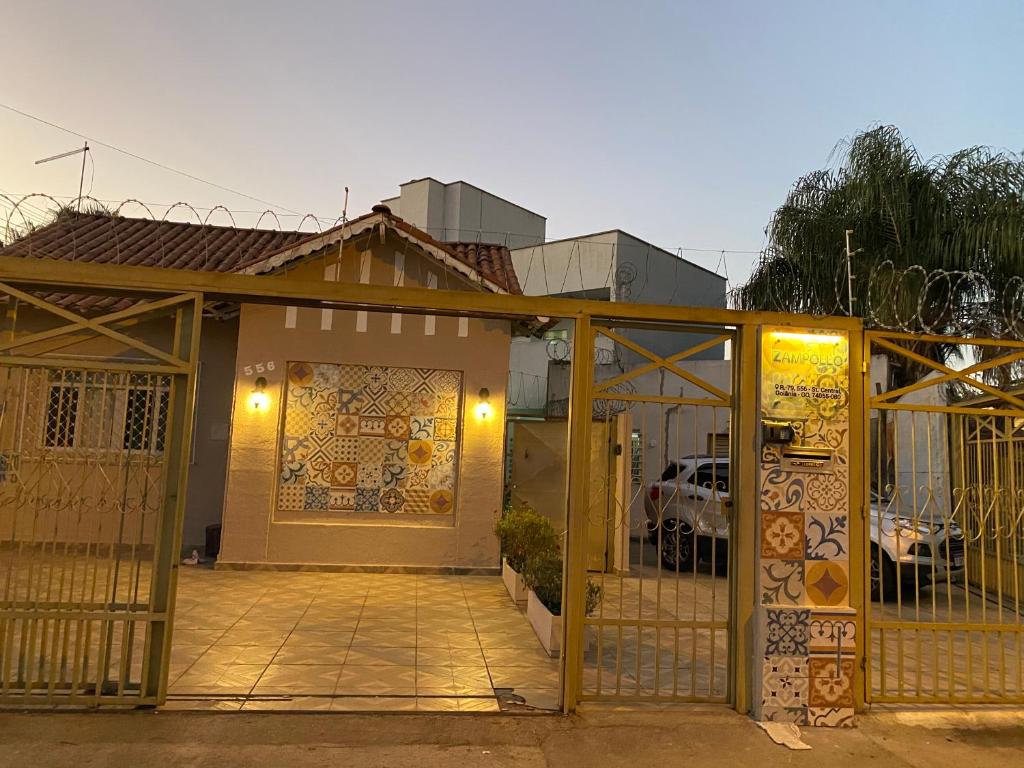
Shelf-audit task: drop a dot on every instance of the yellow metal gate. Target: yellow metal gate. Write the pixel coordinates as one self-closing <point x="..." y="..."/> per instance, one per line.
<point x="657" y="624"/>
<point x="943" y="523"/>
<point x="95" y="420"/>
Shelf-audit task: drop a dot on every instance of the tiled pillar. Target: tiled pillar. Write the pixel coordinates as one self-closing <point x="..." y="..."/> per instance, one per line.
<point x="806" y="631"/>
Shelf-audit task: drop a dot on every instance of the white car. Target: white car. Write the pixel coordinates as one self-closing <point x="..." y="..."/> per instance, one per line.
<point x="688" y="515"/>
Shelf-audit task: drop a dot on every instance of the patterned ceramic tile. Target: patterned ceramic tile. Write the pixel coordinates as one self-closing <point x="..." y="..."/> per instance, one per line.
<point x="363" y="438"/>
<point x="418" y="477"/>
<point x="444" y="452"/>
<point x="399" y="403"/>
<point x="346" y="449"/>
<point x="787" y="632"/>
<point x="291" y="496"/>
<point x="784" y="690"/>
<point x="343" y="474"/>
<point x="293" y="473"/>
<point x="367" y="499"/>
<point x="397" y="427"/>
<point x="445" y="382"/>
<point x="347" y="425"/>
<point x="782" y="535"/>
<point x="300" y="375"/>
<point x="317" y="497"/>
<point x="831" y="683"/>
<point x="421" y="428"/>
<point x="826" y="433"/>
<point x="350" y="400"/>
<point x="393" y="475"/>
<point x="826" y="537"/>
<point x="392" y="500"/>
<point x="376" y="378"/>
<point x="444" y="429"/>
<point x="828" y="582"/>
<point x="420" y="452"/>
<point x="782" y="490"/>
<point x="372" y="450"/>
<point x="424" y="402"/>
<point x="417" y="501"/>
<point x="827" y="491"/>
<point x="788" y="666"/>
<point x="370" y="476"/>
<point x="831" y="717"/>
<point x="375" y="402"/>
<point x="372" y="426"/>
<point x="396" y="452"/>
<point x="782" y="582"/>
<point x="351" y="377"/>
<point x="832" y="633"/>
<point x="342" y="499"/>
<point x="441" y="501"/>
<point x="447" y="406"/>
<point x="294" y="449"/>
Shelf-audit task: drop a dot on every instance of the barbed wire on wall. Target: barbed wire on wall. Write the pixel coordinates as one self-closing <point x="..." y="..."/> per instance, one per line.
<point x="889" y="297"/>
<point x="23" y="215"/>
<point x="908" y="299"/>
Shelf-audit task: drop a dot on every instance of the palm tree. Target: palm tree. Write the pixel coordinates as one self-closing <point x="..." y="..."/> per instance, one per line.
<point x="939" y="244"/>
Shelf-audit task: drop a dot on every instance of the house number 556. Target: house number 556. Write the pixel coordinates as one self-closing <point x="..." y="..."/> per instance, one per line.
<point x="258" y="368"/>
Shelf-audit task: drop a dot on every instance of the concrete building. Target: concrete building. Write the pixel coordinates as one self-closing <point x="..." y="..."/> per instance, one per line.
<point x="460" y="212"/>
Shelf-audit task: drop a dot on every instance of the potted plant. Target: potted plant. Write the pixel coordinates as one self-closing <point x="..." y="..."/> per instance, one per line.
<point x="544" y="602"/>
<point x="521" y="532"/>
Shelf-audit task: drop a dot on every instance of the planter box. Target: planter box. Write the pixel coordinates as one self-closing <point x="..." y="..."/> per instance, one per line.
<point x="547" y="626"/>
<point x="513" y="583"/>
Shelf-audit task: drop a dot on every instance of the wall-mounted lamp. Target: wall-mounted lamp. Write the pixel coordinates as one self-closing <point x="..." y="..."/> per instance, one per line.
<point x="259" y="400"/>
<point x="483" y="408"/>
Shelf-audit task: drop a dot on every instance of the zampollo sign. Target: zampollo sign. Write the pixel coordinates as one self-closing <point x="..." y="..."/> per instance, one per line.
<point x="804" y="374"/>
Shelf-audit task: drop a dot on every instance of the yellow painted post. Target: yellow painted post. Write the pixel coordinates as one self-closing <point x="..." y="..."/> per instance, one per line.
<point x="859" y="480"/>
<point x="575" y="578"/>
<point x="745" y="508"/>
<point x="167" y="547"/>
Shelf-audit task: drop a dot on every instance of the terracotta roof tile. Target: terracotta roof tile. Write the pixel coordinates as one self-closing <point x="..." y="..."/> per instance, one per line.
<point x="105" y="239"/>
<point x="492" y="261"/>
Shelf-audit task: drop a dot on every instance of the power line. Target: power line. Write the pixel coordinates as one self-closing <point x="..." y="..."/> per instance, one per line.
<point x="141" y="158"/>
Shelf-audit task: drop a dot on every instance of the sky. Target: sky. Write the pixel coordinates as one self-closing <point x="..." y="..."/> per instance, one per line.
<point x="684" y="123"/>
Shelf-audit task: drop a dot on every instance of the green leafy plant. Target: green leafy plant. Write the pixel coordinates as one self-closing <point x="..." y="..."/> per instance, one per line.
<point x="543" y="575"/>
<point x="523" y="533"/>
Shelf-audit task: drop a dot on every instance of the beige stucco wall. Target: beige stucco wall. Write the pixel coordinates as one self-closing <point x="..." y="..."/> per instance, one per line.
<point x="255" y="534"/>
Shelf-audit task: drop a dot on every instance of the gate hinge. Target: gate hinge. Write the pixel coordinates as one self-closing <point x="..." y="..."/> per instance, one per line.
<point x="863" y="366"/>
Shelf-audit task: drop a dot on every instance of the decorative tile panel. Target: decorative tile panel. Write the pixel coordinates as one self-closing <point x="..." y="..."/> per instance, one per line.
<point x="369" y="439"/>
<point x="807" y="635"/>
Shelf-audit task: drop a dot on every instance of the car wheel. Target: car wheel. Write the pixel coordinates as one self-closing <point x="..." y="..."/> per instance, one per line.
<point x="883" y="576"/>
<point x="678" y="546"/>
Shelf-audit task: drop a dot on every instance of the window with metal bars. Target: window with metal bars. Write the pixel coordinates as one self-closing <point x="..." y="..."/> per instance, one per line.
<point x="105" y="412"/>
<point x="61" y="416"/>
<point x="145" y="420"/>
<point x="636" y="457"/>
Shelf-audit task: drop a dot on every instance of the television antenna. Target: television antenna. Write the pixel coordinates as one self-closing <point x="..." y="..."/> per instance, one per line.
<point x="81" y="179"/>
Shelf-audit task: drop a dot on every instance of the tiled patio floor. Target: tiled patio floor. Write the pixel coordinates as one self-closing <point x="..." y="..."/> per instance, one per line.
<point x="343" y="641"/>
